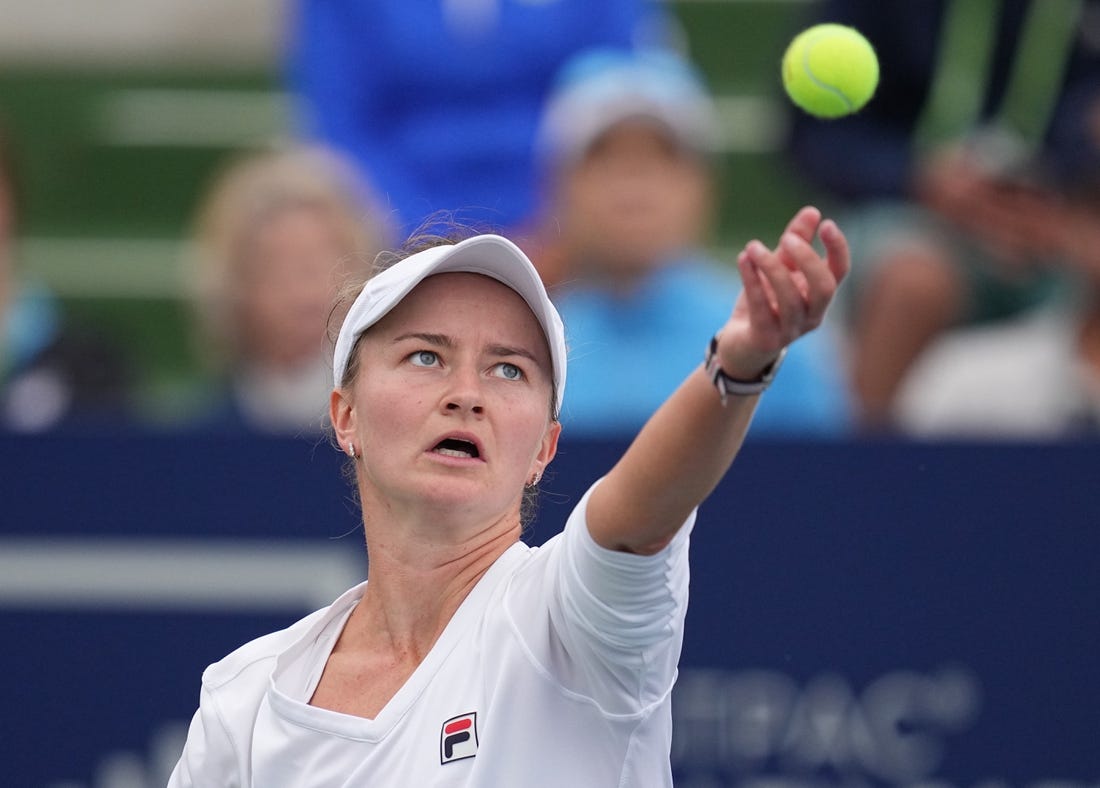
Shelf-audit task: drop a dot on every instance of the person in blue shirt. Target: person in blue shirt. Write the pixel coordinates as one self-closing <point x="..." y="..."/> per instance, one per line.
<point x="438" y="102"/>
<point x="624" y="145"/>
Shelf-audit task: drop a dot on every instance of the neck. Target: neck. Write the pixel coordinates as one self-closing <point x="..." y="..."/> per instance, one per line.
<point x="417" y="583"/>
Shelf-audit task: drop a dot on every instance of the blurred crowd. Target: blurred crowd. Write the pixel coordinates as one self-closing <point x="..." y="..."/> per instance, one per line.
<point x="969" y="187"/>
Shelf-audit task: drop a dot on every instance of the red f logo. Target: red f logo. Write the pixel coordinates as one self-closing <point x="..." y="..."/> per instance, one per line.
<point x="458" y="739"/>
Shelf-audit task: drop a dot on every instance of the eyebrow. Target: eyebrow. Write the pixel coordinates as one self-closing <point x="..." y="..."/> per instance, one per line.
<point x="439" y="340"/>
<point x="504" y="350"/>
<point x="444" y="341"/>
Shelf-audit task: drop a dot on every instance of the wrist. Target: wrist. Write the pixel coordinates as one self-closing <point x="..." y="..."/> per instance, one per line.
<point x="731" y="383"/>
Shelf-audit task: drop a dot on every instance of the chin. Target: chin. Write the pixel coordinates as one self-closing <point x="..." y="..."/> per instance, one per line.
<point x="469" y="501"/>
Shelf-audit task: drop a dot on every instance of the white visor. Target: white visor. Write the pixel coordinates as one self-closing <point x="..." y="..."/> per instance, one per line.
<point x="490" y="255"/>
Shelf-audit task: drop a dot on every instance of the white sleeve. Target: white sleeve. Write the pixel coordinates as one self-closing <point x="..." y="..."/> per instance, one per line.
<point x="616" y="620"/>
<point x="209" y="759"/>
<point x="628" y="602"/>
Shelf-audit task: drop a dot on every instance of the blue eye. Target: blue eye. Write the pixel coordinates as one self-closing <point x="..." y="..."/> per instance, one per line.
<point x="424" y="358"/>
<point x="509" y="371"/>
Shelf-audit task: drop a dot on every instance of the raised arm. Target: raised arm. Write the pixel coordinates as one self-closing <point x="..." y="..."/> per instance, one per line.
<point x="686" y="447"/>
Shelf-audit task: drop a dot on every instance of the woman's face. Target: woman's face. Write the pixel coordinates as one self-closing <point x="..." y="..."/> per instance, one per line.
<point x="288" y="279"/>
<point x="451" y="405"/>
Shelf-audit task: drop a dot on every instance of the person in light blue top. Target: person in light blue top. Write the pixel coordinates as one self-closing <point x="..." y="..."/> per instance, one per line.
<point x="627" y="354"/>
<point x="625" y="145"/>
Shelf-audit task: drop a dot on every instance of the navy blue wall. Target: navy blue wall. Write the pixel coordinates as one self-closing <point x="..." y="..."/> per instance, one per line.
<point x="871" y="613"/>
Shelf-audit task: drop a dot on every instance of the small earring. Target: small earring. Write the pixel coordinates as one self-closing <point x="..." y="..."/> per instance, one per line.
<point x="536" y="479"/>
<point x="351" y="450"/>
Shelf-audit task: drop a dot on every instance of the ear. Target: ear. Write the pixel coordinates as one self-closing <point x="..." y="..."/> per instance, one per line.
<point x="342" y="414"/>
<point x="547" y="450"/>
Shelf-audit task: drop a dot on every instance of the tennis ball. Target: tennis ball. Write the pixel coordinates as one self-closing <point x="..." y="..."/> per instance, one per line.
<point x="830" y="70"/>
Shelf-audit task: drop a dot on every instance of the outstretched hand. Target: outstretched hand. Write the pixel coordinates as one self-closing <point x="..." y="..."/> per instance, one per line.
<point x="785" y="293"/>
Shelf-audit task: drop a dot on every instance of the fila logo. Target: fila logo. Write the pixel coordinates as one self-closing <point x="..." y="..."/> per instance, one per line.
<point x="458" y="739"/>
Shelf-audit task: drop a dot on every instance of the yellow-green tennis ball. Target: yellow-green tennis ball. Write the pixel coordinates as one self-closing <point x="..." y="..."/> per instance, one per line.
<point x="830" y="70"/>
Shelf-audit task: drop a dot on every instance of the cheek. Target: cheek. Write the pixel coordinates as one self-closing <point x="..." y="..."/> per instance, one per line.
<point x="529" y="427"/>
<point x="390" y="411"/>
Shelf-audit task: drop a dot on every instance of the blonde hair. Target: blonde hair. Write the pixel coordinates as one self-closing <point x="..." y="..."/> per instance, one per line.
<point x="251" y="191"/>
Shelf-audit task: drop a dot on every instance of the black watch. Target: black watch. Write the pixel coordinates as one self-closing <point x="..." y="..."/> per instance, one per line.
<point x="732" y="386"/>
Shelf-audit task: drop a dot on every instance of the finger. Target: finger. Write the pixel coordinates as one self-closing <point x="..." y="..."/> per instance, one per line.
<point x="804" y="223"/>
<point x="837" y="253"/>
<point x="759" y="279"/>
<point x="790" y="306"/>
<point x="761" y="310"/>
<point x="817" y="283"/>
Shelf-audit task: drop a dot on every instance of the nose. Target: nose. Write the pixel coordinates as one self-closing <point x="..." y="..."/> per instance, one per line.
<point x="458" y="404"/>
<point x="464" y="394"/>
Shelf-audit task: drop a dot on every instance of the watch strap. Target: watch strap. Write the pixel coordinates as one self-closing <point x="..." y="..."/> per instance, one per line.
<point x="727" y="385"/>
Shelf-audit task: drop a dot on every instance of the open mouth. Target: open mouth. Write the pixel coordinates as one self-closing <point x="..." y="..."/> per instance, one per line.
<point x="456" y="447"/>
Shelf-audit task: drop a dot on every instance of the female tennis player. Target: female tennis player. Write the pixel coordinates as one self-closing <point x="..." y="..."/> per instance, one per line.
<point x="469" y="658"/>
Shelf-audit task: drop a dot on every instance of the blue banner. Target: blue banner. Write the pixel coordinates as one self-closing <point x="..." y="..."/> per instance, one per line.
<point x="862" y="613"/>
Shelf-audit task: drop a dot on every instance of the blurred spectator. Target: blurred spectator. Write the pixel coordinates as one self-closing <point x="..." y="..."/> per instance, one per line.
<point x="1036" y="376"/>
<point x="53" y="372"/>
<point x="625" y="146"/>
<point x="438" y="102"/>
<point x="275" y="236"/>
<point x="946" y="169"/>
